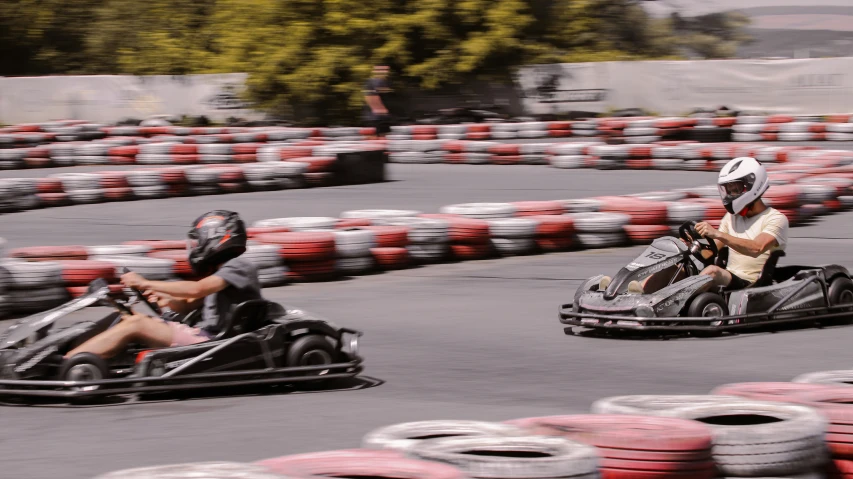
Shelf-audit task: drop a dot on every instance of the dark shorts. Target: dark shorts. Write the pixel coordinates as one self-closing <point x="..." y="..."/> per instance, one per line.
<point x="381" y="123"/>
<point x="737" y="283"/>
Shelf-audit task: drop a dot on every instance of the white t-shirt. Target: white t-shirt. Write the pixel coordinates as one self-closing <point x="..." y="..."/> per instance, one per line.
<point x="769" y="221"/>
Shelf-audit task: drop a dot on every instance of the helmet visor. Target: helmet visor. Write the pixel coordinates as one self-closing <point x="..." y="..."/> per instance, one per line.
<point x="736" y="188"/>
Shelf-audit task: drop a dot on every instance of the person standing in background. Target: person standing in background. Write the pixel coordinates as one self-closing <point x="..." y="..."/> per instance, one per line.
<point x="376" y="93"/>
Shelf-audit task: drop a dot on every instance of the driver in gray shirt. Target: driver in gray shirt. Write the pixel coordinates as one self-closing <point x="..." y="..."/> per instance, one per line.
<point x="229" y="279"/>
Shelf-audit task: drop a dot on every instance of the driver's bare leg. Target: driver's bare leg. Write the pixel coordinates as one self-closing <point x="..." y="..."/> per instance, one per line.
<point x="721" y="276"/>
<point x="661" y="279"/>
<point x="139" y="327"/>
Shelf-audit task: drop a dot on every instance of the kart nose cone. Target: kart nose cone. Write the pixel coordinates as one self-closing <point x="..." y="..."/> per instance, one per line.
<point x="644" y="311"/>
<point x="353" y="345"/>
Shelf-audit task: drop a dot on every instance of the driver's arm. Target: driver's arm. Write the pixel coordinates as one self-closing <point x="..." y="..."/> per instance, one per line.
<point x="190" y="291"/>
<point x="752" y="248"/>
<point x="180" y="306"/>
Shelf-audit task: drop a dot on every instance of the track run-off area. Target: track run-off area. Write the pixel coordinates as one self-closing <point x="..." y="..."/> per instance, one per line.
<point x="474" y="340"/>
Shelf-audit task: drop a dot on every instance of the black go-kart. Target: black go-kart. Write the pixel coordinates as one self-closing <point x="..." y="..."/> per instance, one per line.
<point x="261" y="342"/>
<point x="694" y="305"/>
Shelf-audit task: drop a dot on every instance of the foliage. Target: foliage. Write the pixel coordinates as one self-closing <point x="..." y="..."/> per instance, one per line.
<point x="309" y="58"/>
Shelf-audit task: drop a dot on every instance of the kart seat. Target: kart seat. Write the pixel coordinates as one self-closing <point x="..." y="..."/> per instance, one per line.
<point x="722" y="257"/>
<point x="247" y="316"/>
<point x="767" y="272"/>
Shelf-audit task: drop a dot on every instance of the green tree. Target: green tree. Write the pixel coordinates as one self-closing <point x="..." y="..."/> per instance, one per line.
<point x="41" y="37"/>
<point x="716" y="35"/>
<point x="155" y="37"/>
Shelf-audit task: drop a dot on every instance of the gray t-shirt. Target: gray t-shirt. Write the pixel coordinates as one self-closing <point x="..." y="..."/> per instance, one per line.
<point x="243" y="285"/>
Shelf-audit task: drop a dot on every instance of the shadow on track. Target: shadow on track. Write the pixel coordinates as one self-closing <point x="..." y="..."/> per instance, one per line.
<point x="341" y="385"/>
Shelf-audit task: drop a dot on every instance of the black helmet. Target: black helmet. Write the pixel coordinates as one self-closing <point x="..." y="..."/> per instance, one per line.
<point x="220" y="236"/>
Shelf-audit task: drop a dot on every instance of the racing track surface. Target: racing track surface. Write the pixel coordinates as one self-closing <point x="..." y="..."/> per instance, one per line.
<point x="475" y="340"/>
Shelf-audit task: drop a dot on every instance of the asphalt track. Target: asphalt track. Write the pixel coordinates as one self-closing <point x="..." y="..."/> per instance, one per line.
<point x="473" y="340"/>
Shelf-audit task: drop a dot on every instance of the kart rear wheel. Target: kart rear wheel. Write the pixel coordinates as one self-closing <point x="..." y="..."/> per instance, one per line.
<point x="312" y="350"/>
<point x="841" y="292"/>
<point x="707" y="305"/>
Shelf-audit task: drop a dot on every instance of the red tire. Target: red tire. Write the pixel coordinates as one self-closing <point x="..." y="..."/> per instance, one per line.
<point x="549" y="226"/>
<point x="642" y="212"/>
<point x="632" y="474"/>
<point x="352" y="222"/>
<point x="53" y="199"/>
<point x="181" y="267"/>
<point x="464" y="230"/>
<point x="454" y="158"/>
<point x="245" y="148"/>
<point x="390" y="236"/>
<point x="556" y="243"/>
<point x="784" y="196"/>
<point x="391" y="258"/>
<point x="505" y="150"/>
<point x="83" y="272"/>
<point x="478" y="135"/>
<point x="360" y="463"/>
<point x="323" y="270"/>
<point x="37" y="162"/>
<point x="302" y="246"/>
<point x="118" y="194"/>
<point x="638" y="163"/>
<point x="627" y="432"/>
<point x="316" y="164"/>
<point x="536" y="208"/>
<point x="471" y="251"/>
<point x="233" y="187"/>
<point x="645" y="234"/>
<point x="506" y="159"/>
<point x="50" y="253"/>
<point x="49" y="185"/>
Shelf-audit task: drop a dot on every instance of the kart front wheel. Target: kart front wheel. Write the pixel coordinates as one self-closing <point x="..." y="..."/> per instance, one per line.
<point x="841" y="292"/>
<point x="707" y="305"/>
<point x="312" y="350"/>
<point x="84" y="367"/>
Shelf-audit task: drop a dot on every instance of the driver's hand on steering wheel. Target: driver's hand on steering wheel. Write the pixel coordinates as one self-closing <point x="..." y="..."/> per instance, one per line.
<point x="133" y="280"/>
<point x="160" y="299"/>
<point x="707" y="231"/>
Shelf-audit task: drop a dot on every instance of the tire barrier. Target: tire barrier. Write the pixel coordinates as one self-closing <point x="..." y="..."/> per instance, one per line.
<point x="759" y="430"/>
<point x="72" y="142"/>
<point x="634" y="446"/>
<point x="809" y="183"/>
<point x="19" y="194"/>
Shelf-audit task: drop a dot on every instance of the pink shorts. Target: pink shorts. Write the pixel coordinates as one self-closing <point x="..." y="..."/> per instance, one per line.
<point x="183" y="335"/>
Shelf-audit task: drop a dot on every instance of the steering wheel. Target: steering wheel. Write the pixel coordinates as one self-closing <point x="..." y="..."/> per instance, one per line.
<point x="688" y="233"/>
<point x="154" y="307"/>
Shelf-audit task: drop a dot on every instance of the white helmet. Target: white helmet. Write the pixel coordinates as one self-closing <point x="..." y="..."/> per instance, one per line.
<point x="741" y="182"/>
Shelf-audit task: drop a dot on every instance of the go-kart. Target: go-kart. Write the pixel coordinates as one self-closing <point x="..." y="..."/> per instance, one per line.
<point x="783" y="294"/>
<point x="261" y="342"/>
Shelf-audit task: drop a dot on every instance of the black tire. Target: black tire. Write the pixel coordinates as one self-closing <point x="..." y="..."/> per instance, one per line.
<point x="84" y="367"/>
<point x="311" y="350"/>
<point x="841" y="292"/>
<point x="707" y="305"/>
